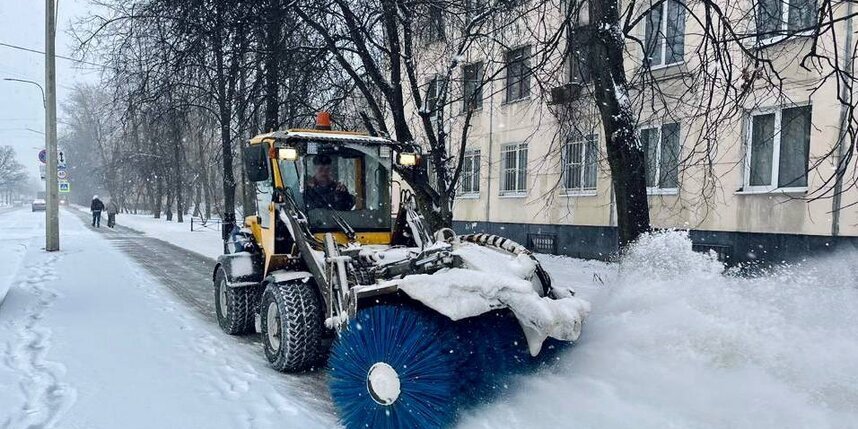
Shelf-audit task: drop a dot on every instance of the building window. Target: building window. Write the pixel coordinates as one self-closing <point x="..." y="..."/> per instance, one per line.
<point x="470" y="177"/>
<point x="779" y="149"/>
<point x="472" y="86"/>
<point x="781" y="17"/>
<point x="433" y="94"/>
<point x="580" y="42"/>
<point x="435" y="26"/>
<point x="514" y="169"/>
<point x="580" y="160"/>
<point x="661" y="153"/>
<point x="517" y="74"/>
<point x="664" y="39"/>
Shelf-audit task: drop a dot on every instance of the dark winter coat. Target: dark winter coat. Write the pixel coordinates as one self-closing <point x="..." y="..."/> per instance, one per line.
<point x="317" y="196"/>
<point x="96" y="205"/>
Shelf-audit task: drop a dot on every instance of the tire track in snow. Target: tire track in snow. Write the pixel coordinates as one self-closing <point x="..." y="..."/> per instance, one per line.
<point x="46" y="397"/>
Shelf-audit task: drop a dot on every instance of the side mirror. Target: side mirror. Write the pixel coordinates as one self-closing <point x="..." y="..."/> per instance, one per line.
<point x="256" y="162"/>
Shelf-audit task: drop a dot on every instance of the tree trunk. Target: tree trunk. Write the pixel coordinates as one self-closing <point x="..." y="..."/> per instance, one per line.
<point x="177" y="168"/>
<point x="272" y="64"/>
<point x="159" y="197"/>
<point x="224" y="118"/>
<point x="611" y="91"/>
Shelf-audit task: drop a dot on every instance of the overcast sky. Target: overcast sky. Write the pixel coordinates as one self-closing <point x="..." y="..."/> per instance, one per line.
<point x="22" y="23"/>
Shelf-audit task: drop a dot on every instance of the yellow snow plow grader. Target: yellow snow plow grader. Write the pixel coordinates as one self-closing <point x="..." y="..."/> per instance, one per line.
<point x="412" y="324"/>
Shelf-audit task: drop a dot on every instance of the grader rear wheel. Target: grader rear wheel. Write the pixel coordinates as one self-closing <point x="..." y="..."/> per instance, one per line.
<point x="234" y="306"/>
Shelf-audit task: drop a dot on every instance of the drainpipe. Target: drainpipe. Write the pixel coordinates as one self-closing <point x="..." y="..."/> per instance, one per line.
<point x="836" y="202"/>
<point x="491" y="147"/>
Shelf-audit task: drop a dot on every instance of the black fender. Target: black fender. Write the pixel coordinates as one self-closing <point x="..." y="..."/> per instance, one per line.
<point x="498" y="242"/>
<point x="242" y="269"/>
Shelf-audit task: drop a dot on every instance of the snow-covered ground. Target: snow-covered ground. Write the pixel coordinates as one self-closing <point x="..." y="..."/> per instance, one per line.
<point x="674" y="343"/>
<point x="89" y="340"/>
<point x="203" y="240"/>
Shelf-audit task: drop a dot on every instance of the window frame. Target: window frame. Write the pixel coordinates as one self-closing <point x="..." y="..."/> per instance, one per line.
<point x="478" y="86"/>
<point x="436" y="25"/>
<point x="773" y="187"/>
<point x="589" y="141"/>
<point x="504" y="190"/>
<point x="663" y="31"/>
<point x="472" y="174"/>
<point x="523" y="62"/>
<point x="783" y="31"/>
<point x="436" y="81"/>
<point x="580" y="37"/>
<point x="657" y="189"/>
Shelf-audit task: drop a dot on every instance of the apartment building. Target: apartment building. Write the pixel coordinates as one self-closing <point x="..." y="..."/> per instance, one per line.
<point x="750" y="182"/>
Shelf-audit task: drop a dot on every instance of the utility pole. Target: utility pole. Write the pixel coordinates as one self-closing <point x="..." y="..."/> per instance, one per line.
<point x="52" y="218"/>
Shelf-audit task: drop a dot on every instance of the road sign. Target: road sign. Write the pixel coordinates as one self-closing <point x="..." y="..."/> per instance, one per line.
<point x="61" y="174"/>
<point x="61" y="159"/>
<point x="43" y="156"/>
<point x="42" y="169"/>
<point x="65" y="187"/>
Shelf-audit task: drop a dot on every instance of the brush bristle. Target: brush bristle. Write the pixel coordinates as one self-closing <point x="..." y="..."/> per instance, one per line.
<point x="443" y="366"/>
<point x="423" y="350"/>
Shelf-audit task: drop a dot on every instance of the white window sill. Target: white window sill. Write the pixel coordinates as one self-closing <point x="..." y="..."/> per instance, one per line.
<point x="516" y="101"/>
<point x="513" y="195"/>
<point x="765" y="43"/>
<point x="468" y="196"/>
<point x="578" y="193"/>
<point x="771" y="191"/>
<point x="662" y="191"/>
<point x="665" y="66"/>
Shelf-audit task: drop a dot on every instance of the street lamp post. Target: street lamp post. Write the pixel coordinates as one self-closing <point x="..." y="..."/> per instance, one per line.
<point x="52" y="240"/>
<point x="44" y="101"/>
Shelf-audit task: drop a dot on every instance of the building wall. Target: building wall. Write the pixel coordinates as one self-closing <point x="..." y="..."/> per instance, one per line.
<point x="711" y="199"/>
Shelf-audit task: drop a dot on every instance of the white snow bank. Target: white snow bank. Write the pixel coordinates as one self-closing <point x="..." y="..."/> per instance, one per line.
<point x="491" y="280"/>
<point x="89" y="340"/>
<point x="673" y="342"/>
<point x="21" y="230"/>
<point x="205" y="241"/>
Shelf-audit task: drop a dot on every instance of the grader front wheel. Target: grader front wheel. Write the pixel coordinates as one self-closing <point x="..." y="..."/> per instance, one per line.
<point x="292" y="326"/>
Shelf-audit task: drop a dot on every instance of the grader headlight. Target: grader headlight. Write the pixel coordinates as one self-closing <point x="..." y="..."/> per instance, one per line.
<point x="287" y="154"/>
<point x="408" y="159"/>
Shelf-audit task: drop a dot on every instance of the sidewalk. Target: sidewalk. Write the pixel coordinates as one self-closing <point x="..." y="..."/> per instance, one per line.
<point x="90" y="339"/>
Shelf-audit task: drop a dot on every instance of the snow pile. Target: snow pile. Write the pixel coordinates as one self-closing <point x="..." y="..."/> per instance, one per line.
<point x="673" y="341"/>
<point x="494" y="280"/>
<point x="205" y="241"/>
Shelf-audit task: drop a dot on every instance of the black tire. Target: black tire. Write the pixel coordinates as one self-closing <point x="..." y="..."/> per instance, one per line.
<point x="293" y="341"/>
<point x="234" y="306"/>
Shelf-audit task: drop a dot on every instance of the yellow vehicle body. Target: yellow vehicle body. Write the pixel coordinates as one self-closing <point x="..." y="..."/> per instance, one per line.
<point x="265" y="237"/>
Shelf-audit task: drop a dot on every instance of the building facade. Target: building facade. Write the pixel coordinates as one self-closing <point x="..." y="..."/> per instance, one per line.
<point x="753" y="181"/>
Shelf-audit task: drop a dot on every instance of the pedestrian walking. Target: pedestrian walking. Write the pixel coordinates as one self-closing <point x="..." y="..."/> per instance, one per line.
<point x="96" y="207"/>
<point x="112" y="211"/>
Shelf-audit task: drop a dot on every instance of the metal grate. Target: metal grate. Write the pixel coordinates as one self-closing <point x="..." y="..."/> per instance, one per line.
<point x="723" y="252"/>
<point x="542" y="243"/>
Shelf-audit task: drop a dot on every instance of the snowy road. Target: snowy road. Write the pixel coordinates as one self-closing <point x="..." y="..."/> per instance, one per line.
<point x="117" y="331"/>
<point x="90" y="339"/>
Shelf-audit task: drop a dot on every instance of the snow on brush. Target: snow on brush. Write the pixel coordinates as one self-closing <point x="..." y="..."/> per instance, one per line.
<point x="674" y="341"/>
<point x="491" y="280"/>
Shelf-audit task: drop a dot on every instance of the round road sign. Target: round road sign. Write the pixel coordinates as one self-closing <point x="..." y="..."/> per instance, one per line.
<point x="61" y="174"/>
<point x="43" y="156"/>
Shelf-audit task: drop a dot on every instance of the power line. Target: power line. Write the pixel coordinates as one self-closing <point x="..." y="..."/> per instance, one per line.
<point x="36" y="51"/>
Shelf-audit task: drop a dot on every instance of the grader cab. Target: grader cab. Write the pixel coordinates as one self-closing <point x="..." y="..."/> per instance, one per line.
<point x="324" y="263"/>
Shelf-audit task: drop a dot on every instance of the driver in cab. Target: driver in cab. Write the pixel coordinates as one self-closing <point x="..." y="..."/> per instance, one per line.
<point x="322" y="191"/>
